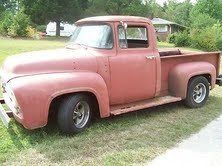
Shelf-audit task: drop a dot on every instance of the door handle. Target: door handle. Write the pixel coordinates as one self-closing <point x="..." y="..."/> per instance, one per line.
<point x="150" y="57"/>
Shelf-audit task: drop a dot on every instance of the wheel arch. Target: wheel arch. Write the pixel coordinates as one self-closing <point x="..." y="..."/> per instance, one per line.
<point x="208" y="76"/>
<point x="181" y="74"/>
<point x="57" y="99"/>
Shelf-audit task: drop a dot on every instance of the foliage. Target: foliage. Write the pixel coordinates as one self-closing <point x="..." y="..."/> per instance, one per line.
<point x="43" y="11"/>
<point x="171" y="38"/>
<point x="41" y="28"/>
<point x="182" y="39"/>
<point x="178" y="12"/>
<point x="19" y="25"/>
<point x="135" y="8"/>
<point x="202" y="20"/>
<point x="209" y="39"/>
<point x="93" y="7"/>
<point x="205" y="25"/>
<point x="14" y="25"/>
<point x="31" y="32"/>
<point x="210" y="7"/>
<point x="148" y="8"/>
<point x="8" y="5"/>
<point x="5" y="23"/>
<point x="117" y="7"/>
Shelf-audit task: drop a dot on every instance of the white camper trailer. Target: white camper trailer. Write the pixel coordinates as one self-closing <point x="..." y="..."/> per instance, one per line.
<point x="65" y="29"/>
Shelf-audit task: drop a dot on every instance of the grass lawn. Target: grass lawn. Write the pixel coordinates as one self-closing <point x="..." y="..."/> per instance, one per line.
<point x="129" y="139"/>
<point x="165" y="45"/>
<point x="11" y="47"/>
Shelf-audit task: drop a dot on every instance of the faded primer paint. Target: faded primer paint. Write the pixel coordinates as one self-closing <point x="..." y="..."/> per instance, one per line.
<point x="122" y="80"/>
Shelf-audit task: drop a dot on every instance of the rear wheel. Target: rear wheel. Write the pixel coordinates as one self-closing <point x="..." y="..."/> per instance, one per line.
<point x="75" y="114"/>
<point x="197" y="92"/>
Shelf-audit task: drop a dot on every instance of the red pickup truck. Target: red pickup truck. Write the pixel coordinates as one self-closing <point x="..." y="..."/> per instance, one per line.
<point x="111" y="66"/>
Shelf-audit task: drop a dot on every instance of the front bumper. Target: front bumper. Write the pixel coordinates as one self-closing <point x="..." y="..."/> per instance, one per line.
<point x="5" y="115"/>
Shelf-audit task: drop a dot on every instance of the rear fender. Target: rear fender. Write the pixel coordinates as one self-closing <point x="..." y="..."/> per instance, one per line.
<point x="180" y="75"/>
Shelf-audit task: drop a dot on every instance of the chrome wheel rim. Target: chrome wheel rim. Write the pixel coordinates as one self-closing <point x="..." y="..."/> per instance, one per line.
<point x="199" y="93"/>
<point x="81" y="114"/>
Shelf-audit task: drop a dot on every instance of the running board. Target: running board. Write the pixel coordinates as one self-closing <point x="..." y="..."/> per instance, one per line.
<point x="121" y="109"/>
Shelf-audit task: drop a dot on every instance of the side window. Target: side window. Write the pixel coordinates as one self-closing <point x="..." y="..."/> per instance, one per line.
<point x="135" y="37"/>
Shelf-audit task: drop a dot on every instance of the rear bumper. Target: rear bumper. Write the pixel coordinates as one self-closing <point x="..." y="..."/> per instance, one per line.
<point x="219" y="80"/>
<point x="5" y="115"/>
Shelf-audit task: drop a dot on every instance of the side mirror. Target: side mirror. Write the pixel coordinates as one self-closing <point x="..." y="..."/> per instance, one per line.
<point x="124" y="25"/>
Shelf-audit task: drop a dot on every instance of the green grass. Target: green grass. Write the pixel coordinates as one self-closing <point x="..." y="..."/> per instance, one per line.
<point x="11" y="47"/>
<point x="132" y="138"/>
<point x="165" y="45"/>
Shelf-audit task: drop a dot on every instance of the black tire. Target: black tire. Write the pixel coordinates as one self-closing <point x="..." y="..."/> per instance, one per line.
<point x="69" y="113"/>
<point x="196" y="99"/>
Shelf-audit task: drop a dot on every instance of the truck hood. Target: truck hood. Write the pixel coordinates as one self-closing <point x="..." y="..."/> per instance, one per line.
<point x="50" y="61"/>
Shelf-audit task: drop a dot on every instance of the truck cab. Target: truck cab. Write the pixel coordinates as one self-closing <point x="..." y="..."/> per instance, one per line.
<point x="111" y="66"/>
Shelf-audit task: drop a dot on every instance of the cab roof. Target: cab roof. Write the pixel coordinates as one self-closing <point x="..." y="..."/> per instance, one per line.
<point x="114" y="19"/>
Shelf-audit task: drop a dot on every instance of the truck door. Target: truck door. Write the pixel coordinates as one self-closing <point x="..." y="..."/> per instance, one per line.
<point x="133" y="70"/>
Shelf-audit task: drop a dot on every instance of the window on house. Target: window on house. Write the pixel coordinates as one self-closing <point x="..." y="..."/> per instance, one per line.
<point x="161" y="28"/>
<point x="62" y="28"/>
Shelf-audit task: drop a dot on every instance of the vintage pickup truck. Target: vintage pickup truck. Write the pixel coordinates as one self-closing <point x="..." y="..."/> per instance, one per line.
<point x="111" y="66"/>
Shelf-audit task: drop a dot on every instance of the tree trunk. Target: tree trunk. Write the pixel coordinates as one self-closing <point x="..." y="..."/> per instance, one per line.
<point x="57" y="28"/>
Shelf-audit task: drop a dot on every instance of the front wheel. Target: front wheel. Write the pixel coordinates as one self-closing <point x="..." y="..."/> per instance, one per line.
<point x="197" y="92"/>
<point x="75" y="114"/>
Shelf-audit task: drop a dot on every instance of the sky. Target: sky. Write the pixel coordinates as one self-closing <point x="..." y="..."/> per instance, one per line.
<point x="162" y="1"/>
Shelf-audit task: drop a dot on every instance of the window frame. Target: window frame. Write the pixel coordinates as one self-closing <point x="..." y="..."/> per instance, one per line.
<point x="136" y="26"/>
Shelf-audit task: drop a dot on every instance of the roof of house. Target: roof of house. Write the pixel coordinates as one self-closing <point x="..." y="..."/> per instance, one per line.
<point x="160" y="21"/>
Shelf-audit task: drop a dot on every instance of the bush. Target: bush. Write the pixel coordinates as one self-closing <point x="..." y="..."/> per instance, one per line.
<point x="41" y="28"/>
<point x="171" y="38"/>
<point x="5" y="23"/>
<point x="31" y="32"/>
<point x="182" y="39"/>
<point x="19" y="25"/>
<point x="208" y="39"/>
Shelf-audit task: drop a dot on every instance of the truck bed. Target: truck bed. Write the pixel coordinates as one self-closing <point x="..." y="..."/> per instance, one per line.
<point x="171" y="58"/>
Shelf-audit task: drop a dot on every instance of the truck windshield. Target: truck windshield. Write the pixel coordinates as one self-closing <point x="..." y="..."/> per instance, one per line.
<point x="96" y="36"/>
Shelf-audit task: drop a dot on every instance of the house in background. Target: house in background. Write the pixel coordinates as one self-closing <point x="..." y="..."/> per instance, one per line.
<point x="164" y="28"/>
<point x="65" y="29"/>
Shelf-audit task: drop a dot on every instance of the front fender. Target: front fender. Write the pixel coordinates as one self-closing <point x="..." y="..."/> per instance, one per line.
<point x="35" y="93"/>
<point x="180" y="75"/>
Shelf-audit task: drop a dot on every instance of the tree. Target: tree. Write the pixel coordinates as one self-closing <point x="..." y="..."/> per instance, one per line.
<point x="95" y="8"/>
<point x="178" y="12"/>
<point x="210" y="7"/>
<point x="202" y="20"/>
<point x="8" y="5"/>
<point x="153" y="9"/>
<point x="2" y="7"/>
<point x="144" y="8"/>
<point x="43" y="11"/>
